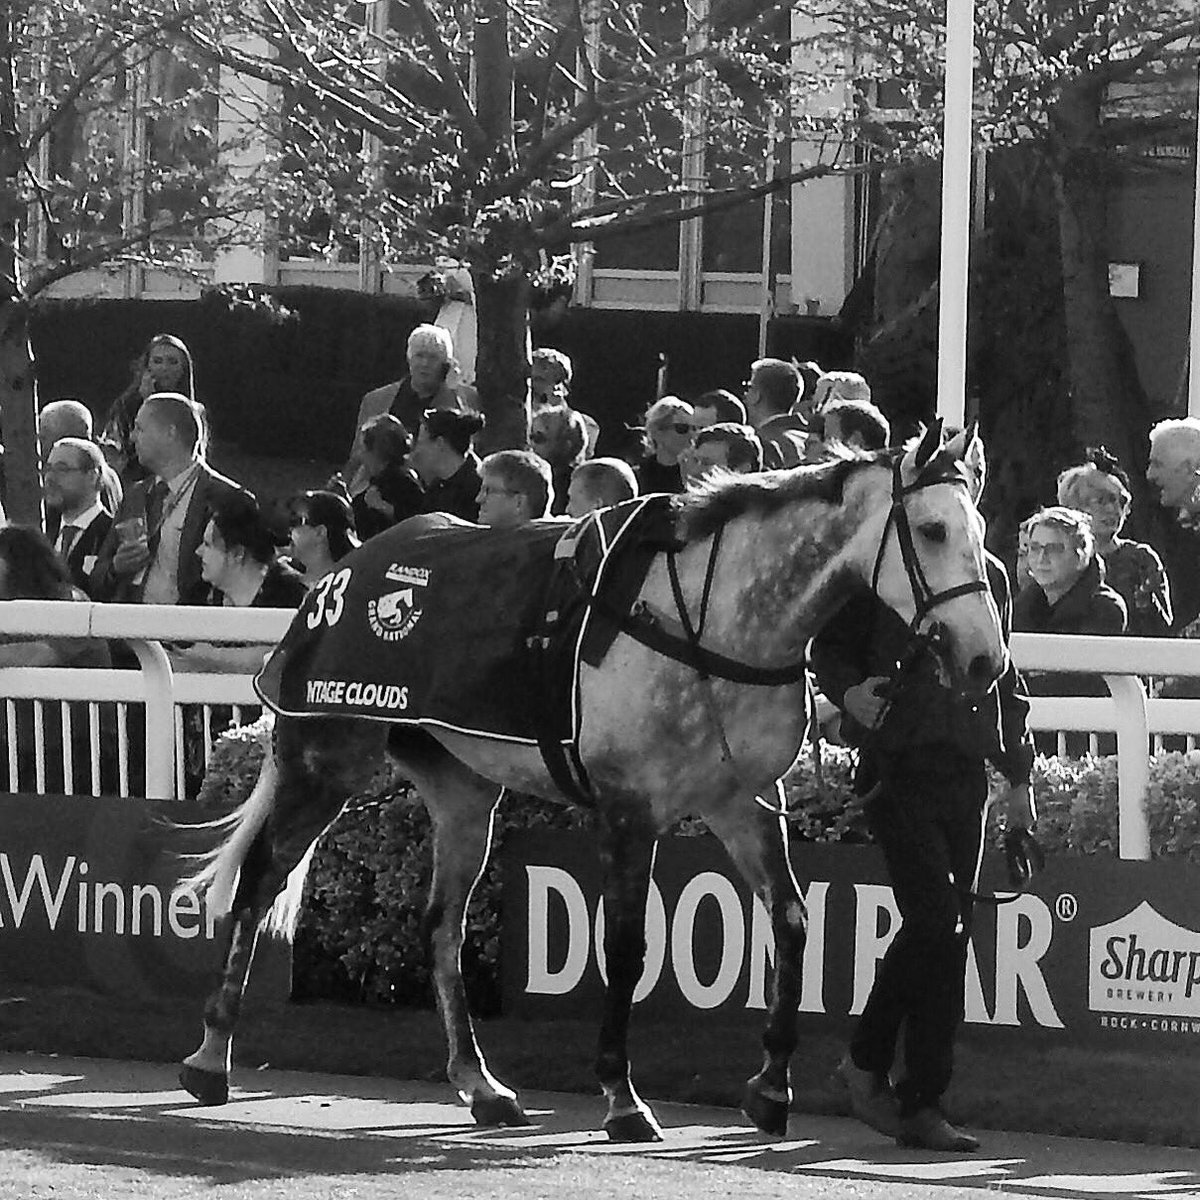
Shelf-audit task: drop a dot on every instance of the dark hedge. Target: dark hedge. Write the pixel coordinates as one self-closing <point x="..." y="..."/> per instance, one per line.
<point x="283" y="376"/>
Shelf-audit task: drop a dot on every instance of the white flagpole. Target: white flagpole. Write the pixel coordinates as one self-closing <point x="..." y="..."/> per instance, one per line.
<point x="956" y="210"/>
<point x="1194" y="333"/>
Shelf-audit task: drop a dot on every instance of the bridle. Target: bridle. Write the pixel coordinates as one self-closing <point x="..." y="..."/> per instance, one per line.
<point x="925" y="599"/>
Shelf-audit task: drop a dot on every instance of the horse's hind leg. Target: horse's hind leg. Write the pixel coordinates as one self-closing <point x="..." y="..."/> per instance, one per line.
<point x="627" y="850"/>
<point x="461" y="806"/>
<point x="318" y="765"/>
<point x="757" y="842"/>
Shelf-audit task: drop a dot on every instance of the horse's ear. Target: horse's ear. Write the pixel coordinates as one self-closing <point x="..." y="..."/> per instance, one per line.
<point x="975" y="461"/>
<point x="930" y="443"/>
<point x="922" y="447"/>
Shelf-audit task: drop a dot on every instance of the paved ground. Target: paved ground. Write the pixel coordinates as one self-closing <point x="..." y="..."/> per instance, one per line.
<point x="280" y="1124"/>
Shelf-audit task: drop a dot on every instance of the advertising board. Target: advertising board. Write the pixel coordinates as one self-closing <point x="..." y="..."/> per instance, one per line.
<point x="1098" y="949"/>
<point x="88" y="898"/>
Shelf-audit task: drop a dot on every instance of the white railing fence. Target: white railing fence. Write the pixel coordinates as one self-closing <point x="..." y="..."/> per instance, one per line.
<point x="65" y="700"/>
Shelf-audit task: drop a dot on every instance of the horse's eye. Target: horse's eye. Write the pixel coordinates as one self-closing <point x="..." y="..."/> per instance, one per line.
<point x="933" y="531"/>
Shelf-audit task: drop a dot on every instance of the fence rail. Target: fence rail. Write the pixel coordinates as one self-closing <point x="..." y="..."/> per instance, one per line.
<point x="1138" y="721"/>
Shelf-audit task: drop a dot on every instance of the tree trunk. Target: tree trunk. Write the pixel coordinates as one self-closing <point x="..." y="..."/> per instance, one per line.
<point x="1108" y="405"/>
<point x="18" y="416"/>
<point x="502" y="360"/>
<point x="18" y="389"/>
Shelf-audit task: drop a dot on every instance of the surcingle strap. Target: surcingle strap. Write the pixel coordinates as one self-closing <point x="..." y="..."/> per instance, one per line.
<point x="656" y="633"/>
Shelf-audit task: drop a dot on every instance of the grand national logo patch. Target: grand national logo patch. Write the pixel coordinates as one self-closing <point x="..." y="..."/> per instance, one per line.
<point x="393" y="615"/>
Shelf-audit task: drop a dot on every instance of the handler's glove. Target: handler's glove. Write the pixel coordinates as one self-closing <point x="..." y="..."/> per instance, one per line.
<point x="1023" y="856"/>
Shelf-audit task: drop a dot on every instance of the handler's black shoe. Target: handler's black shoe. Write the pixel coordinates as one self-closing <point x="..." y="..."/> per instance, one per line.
<point x="871" y="1097"/>
<point x="927" y="1129"/>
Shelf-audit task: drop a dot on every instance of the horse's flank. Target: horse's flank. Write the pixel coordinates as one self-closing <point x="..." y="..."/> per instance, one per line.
<point x="651" y="726"/>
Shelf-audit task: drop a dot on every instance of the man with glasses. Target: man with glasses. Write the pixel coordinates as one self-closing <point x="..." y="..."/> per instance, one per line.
<point x="515" y="488"/>
<point x="76" y="520"/>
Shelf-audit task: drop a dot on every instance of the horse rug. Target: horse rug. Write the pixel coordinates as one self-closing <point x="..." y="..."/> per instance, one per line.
<point x="438" y="622"/>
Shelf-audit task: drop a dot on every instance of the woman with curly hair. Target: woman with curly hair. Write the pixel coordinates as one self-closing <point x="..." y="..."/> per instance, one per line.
<point x="1100" y="487"/>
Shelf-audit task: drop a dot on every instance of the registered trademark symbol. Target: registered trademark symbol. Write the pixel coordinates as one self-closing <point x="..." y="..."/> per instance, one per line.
<point x="1066" y="907"/>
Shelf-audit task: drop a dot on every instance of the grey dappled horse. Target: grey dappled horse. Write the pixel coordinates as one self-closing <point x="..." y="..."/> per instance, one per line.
<point x="769" y="558"/>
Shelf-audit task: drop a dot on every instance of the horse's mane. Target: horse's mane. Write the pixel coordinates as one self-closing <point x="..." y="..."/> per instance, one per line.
<point x="724" y="496"/>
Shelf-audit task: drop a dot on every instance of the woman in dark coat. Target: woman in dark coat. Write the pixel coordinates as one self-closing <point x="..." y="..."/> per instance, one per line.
<point x="1067" y="594"/>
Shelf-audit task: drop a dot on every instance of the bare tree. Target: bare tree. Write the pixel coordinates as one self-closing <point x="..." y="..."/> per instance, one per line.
<point x="109" y="155"/>
<point x="502" y="132"/>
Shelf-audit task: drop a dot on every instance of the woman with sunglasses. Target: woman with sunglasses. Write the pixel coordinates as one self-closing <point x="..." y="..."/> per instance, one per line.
<point x="322" y="532"/>
<point x="1100" y="487"/>
<point x="670" y="423"/>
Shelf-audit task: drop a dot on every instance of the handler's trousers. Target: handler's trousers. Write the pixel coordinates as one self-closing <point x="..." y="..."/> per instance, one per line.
<point x="929" y="825"/>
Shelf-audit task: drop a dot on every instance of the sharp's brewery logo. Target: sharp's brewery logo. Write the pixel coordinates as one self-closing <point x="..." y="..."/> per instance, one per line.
<point x="393" y="615"/>
<point x="1148" y="969"/>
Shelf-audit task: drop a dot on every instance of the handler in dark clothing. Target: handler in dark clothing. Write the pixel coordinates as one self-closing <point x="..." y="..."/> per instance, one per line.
<point x="922" y="765"/>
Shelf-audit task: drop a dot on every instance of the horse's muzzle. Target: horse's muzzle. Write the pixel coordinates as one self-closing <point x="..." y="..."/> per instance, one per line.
<point x="982" y="671"/>
<point x="974" y="677"/>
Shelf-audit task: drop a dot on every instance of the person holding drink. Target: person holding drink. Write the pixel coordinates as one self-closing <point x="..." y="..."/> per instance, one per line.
<point x="150" y="555"/>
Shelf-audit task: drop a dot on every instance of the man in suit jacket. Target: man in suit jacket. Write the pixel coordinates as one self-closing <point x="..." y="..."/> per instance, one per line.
<point x="774" y="386"/>
<point x="72" y="418"/>
<point x="76" y="520"/>
<point x="430" y="356"/>
<point x="149" y="556"/>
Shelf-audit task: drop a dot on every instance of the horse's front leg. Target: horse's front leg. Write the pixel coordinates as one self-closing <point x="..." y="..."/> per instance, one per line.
<point x="627" y="850"/>
<point x="757" y="842"/>
<point x="461" y="805"/>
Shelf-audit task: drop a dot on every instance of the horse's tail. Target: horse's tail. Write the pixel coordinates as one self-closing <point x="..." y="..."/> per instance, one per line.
<point x="216" y="876"/>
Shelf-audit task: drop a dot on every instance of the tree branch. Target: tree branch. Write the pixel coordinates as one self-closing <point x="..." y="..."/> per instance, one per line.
<point x="457" y="100"/>
<point x="578" y="227"/>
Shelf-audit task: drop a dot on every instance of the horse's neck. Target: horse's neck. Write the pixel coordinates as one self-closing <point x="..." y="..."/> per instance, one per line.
<point x="776" y="579"/>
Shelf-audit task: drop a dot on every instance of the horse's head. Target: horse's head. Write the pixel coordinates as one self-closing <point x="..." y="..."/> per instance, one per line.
<point x="928" y="561"/>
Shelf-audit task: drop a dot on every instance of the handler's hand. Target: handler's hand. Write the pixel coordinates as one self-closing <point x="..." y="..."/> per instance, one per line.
<point x="864" y="704"/>
<point x="1016" y="808"/>
<point x="1023" y="856"/>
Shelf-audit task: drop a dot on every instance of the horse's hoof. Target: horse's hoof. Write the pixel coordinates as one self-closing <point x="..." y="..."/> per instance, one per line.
<point x="209" y="1087"/>
<point x="494" y="1111"/>
<point x="633" y="1127"/>
<point x="765" y="1113"/>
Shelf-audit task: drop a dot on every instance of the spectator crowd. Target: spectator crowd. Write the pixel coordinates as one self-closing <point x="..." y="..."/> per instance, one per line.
<point x="134" y="511"/>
